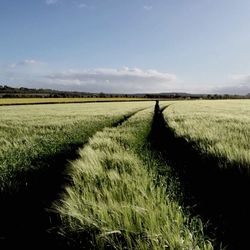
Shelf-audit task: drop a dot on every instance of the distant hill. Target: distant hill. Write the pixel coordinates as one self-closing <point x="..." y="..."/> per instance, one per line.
<point x="8" y="92"/>
<point x="22" y="92"/>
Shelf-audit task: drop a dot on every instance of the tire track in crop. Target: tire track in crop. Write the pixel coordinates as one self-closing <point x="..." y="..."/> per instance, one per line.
<point x="219" y="196"/>
<point x="26" y="221"/>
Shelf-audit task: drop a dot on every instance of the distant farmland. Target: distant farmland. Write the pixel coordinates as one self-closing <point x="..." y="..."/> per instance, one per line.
<point x="124" y="175"/>
<point x="23" y="101"/>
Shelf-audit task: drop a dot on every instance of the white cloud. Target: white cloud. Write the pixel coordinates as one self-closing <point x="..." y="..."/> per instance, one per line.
<point x="238" y="84"/>
<point x="50" y="2"/>
<point x="147" y="7"/>
<point x="29" y="62"/>
<point x="22" y="72"/>
<point x="242" y="78"/>
<point x="240" y="89"/>
<point x="129" y="80"/>
<point x="35" y="73"/>
<point x="26" y="62"/>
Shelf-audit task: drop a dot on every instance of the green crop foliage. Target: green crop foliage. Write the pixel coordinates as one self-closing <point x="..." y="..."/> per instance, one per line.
<point x="218" y="128"/>
<point x="114" y="200"/>
<point x="29" y="135"/>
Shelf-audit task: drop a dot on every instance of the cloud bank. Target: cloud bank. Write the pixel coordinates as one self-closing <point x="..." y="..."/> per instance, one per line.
<point x="239" y="84"/>
<point x="37" y="74"/>
<point x="129" y="80"/>
<point x="242" y="89"/>
<point x="242" y="78"/>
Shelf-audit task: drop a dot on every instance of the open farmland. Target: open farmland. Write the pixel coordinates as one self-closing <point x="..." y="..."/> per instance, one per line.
<point x="29" y="134"/>
<point x="126" y="175"/>
<point x="114" y="201"/>
<point x="208" y="145"/>
<point x="27" y="101"/>
<point x="36" y="143"/>
<point x="219" y="128"/>
<point x="125" y="125"/>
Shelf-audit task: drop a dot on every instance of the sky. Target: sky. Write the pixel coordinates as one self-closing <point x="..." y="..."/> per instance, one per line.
<point x="126" y="46"/>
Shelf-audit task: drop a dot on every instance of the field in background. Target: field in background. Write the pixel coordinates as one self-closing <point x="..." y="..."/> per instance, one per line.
<point x="219" y="128"/>
<point x="23" y="101"/>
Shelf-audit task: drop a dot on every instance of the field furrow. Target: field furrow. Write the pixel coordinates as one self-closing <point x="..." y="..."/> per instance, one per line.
<point x="37" y="144"/>
<point x="207" y="144"/>
<point x="117" y="199"/>
<point x="126" y="175"/>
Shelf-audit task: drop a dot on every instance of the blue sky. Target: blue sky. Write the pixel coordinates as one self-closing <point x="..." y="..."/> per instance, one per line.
<point x="126" y="46"/>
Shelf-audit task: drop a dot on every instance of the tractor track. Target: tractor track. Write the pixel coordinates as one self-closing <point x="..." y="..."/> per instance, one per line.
<point x="219" y="196"/>
<point x="27" y="220"/>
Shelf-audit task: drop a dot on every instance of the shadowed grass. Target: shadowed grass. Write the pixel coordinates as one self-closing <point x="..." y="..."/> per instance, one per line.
<point x="218" y="128"/>
<point x="34" y="176"/>
<point x="116" y="199"/>
<point x="214" y="187"/>
<point x="30" y="134"/>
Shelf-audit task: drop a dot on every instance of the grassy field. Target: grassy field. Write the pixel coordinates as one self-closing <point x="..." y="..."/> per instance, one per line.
<point x="31" y="134"/>
<point x="125" y="185"/>
<point x="219" y="128"/>
<point x="22" y="101"/>
<point x="36" y="144"/>
<point x="114" y="200"/>
<point x="114" y="195"/>
<point x="207" y="143"/>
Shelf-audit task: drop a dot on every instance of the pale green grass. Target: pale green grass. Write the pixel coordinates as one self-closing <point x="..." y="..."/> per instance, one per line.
<point x="115" y="199"/>
<point x="220" y="128"/>
<point x="31" y="134"/>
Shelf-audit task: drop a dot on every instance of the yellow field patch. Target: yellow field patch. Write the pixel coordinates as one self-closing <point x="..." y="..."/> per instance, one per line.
<point x="16" y="101"/>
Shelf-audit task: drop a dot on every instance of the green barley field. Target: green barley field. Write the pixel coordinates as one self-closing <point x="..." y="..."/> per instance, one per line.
<point x="29" y="134"/>
<point x="125" y="175"/>
<point x="220" y="128"/>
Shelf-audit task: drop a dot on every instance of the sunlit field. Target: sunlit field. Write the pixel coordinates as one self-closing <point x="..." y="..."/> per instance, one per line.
<point x="124" y="125"/>
<point x="220" y="128"/>
<point x="125" y="175"/>
<point x="207" y="142"/>
<point x="30" y="134"/>
<point x="114" y="200"/>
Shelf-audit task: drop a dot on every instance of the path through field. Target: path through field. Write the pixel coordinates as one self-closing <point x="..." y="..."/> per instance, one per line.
<point x="218" y="196"/>
<point x="27" y="220"/>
